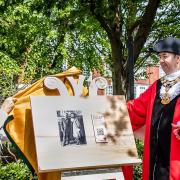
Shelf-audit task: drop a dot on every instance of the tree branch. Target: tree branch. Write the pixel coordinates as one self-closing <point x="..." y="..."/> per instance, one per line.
<point x="145" y="27"/>
<point x="102" y="20"/>
<point x="134" y="26"/>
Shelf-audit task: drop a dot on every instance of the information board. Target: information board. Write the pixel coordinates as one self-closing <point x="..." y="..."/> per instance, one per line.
<point x="82" y="132"/>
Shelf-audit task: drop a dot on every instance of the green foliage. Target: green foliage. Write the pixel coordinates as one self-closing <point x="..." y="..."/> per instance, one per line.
<point x="14" y="171"/>
<point x="137" y="172"/>
<point x="138" y="168"/>
<point x="10" y="166"/>
<point x="9" y="71"/>
<point x="38" y="37"/>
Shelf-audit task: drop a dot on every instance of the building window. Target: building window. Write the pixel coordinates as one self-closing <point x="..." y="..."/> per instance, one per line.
<point x="135" y="94"/>
<point x="109" y="90"/>
<point x="142" y="89"/>
<point x="138" y="89"/>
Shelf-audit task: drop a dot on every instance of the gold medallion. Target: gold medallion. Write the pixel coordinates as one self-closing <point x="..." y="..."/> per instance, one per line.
<point x="165" y="98"/>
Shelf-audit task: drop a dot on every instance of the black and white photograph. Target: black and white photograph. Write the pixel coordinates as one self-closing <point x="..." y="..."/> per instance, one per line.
<point x="71" y="127"/>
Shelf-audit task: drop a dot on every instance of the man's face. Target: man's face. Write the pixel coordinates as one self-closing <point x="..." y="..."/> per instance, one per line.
<point x="169" y="62"/>
<point x="72" y="115"/>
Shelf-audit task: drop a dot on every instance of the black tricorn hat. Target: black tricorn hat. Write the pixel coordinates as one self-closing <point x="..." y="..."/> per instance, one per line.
<point x="170" y="44"/>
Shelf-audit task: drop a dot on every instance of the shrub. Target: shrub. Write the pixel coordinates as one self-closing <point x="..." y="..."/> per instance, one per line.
<point x="14" y="171"/>
<point x="138" y="168"/>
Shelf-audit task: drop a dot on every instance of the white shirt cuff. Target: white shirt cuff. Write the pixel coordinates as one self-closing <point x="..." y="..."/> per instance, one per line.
<point x="3" y="117"/>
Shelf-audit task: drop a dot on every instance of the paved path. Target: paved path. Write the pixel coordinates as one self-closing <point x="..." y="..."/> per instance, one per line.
<point x="99" y="174"/>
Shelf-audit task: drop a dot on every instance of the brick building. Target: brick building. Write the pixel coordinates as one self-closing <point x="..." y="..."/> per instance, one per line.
<point x="141" y="83"/>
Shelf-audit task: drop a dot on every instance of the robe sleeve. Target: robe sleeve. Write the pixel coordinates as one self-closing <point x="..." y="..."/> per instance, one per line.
<point x="137" y="109"/>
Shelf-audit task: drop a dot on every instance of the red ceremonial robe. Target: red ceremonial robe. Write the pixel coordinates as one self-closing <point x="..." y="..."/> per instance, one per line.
<point x="140" y="112"/>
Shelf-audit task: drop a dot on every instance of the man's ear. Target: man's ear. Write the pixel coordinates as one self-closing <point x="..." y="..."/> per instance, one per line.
<point x="178" y="59"/>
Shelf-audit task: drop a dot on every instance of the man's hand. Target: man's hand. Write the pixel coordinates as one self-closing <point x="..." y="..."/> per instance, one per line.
<point x="176" y="130"/>
<point x="8" y="105"/>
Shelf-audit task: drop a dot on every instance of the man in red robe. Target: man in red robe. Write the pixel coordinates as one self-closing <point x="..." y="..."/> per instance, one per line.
<point x="158" y="110"/>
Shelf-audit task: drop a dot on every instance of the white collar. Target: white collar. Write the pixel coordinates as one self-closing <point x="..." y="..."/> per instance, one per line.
<point x="172" y="76"/>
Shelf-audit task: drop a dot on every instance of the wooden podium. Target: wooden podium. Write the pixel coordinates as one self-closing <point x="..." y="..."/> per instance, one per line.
<point x="78" y="133"/>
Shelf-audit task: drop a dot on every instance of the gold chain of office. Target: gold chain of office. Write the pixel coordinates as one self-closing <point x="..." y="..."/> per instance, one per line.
<point x="168" y="84"/>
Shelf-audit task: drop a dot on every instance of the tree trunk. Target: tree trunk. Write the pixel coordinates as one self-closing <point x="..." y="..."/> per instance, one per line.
<point x="130" y="70"/>
<point x="118" y="74"/>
